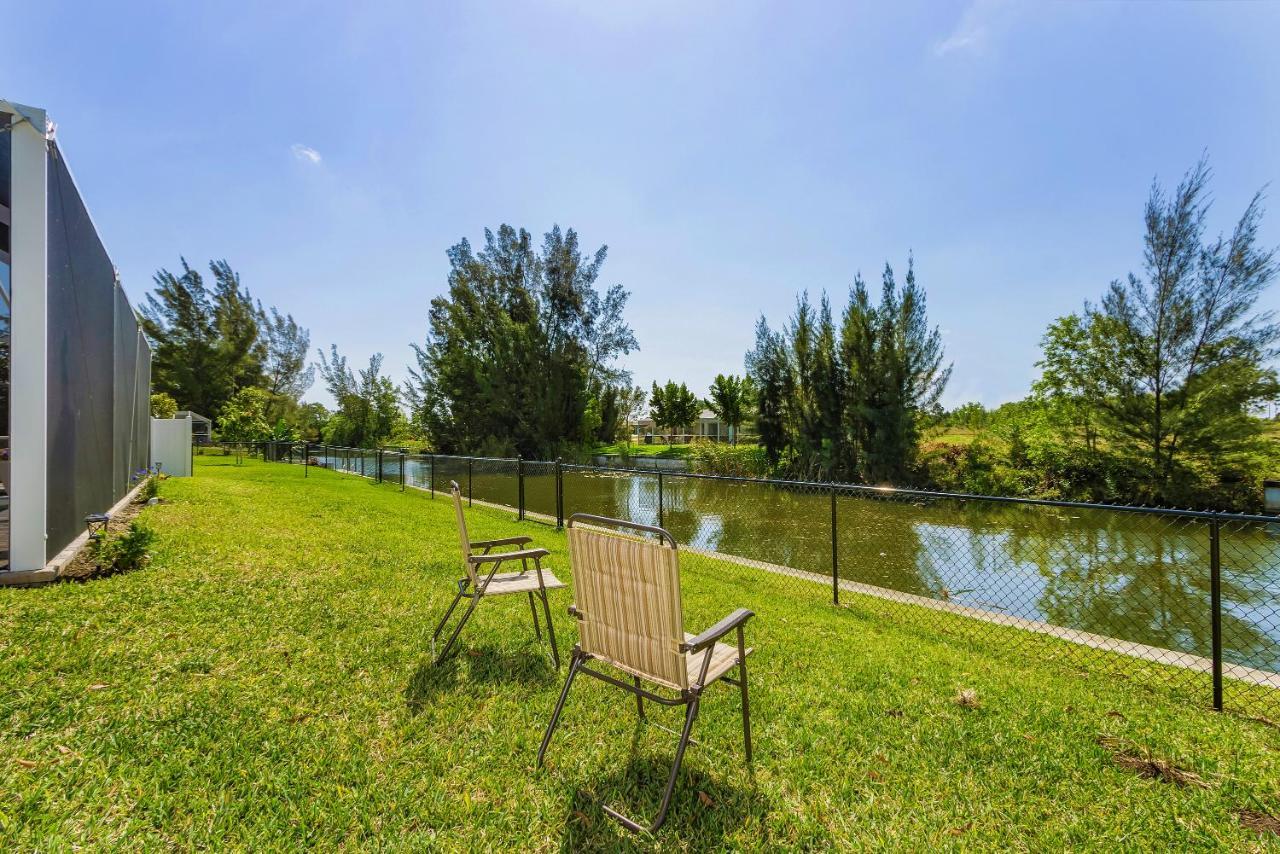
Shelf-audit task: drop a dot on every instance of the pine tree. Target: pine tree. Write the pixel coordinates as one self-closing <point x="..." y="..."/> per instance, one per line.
<point x="768" y="368"/>
<point x="849" y="404"/>
<point x="520" y="349"/>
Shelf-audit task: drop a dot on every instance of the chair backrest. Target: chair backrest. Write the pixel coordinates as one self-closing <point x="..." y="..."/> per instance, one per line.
<point x="628" y="596"/>
<point x="463" y="539"/>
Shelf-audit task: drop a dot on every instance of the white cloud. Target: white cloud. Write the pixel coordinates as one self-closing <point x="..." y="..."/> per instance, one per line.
<point x="973" y="30"/>
<point x="305" y="154"/>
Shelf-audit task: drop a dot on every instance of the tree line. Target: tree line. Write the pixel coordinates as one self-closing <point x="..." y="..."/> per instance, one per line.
<point x="843" y="399"/>
<point x="520" y="357"/>
<point x="1147" y="395"/>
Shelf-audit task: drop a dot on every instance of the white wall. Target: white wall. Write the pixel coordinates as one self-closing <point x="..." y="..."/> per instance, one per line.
<point x="29" y="360"/>
<point x="171" y="445"/>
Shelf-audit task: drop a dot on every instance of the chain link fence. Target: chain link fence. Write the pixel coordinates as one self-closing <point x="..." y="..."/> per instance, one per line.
<point x="1190" y="599"/>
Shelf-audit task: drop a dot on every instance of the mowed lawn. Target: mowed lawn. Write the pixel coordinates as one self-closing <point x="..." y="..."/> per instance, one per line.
<point x="266" y="684"/>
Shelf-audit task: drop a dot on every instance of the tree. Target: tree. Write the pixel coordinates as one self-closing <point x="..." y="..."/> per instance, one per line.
<point x="368" y="410"/>
<point x="178" y="320"/>
<point x="631" y="404"/>
<point x="770" y="373"/>
<point x="731" y="400"/>
<point x="849" y="403"/>
<point x="969" y="416"/>
<point x="1172" y="362"/>
<point x="241" y="348"/>
<point x="908" y="356"/>
<point x="287" y="375"/>
<point x="163" y="406"/>
<point x="310" y="420"/>
<point x="520" y="350"/>
<point x="206" y="342"/>
<point x="243" y="417"/>
<point x="1070" y="383"/>
<point x="610" y="414"/>
<point x="674" y="406"/>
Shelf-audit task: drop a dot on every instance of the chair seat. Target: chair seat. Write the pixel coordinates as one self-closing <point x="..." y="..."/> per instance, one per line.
<point x="521" y="582"/>
<point x="723" y="659"/>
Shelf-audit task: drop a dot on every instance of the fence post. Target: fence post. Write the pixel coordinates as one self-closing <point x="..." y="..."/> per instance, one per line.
<point x="306" y="458"/>
<point x="404" y="459"/>
<point x="431" y="477"/>
<point x="519" y="488"/>
<point x="470" y="464"/>
<point x="559" y="495"/>
<point x="835" y="554"/>
<point x="1215" y="597"/>
<point x="659" y="498"/>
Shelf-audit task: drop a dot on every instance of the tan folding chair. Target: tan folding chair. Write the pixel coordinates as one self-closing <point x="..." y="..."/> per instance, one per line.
<point x="630" y="618"/>
<point x="475" y="587"/>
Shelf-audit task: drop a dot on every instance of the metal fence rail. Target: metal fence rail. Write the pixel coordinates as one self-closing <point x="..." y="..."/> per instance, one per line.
<point x="1192" y="597"/>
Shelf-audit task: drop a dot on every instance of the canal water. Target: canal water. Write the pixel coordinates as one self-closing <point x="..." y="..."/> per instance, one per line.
<point x="1136" y="577"/>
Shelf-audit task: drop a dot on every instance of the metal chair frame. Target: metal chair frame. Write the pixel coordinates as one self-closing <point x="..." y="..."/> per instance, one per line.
<point x="690" y="698"/>
<point x="479" y="586"/>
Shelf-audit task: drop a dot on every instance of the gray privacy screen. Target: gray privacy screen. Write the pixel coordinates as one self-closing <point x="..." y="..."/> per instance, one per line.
<point x="99" y="370"/>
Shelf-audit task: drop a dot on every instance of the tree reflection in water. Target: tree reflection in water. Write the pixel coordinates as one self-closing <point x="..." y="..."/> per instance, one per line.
<point x="1137" y="577"/>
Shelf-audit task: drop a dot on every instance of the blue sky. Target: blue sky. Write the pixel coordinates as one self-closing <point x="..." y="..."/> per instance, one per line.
<point x="730" y="154"/>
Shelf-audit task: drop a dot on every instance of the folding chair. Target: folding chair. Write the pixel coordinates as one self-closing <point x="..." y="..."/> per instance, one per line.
<point x="477" y="586"/>
<point x="630" y="618"/>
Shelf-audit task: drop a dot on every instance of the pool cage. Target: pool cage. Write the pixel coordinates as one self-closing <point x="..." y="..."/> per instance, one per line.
<point x="75" y="367"/>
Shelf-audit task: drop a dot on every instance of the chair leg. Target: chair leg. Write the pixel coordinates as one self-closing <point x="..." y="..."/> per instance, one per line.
<point x="689" y="716"/>
<point x="466" y="615"/>
<point x="574" y="663"/>
<point x="551" y="632"/>
<point x="533" y="610"/>
<point x="639" y="699"/>
<point x="746" y="703"/>
<point x="445" y="618"/>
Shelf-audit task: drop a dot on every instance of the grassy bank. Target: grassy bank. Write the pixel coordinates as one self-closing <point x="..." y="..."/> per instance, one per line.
<point x="266" y="684"/>
<point x="639" y="449"/>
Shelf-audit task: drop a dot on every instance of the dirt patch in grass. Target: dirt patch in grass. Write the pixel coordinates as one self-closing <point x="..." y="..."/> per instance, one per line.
<point x="1144" y="764"/>
<point x="84" y="566"/>
<point x="1259" y="822"/>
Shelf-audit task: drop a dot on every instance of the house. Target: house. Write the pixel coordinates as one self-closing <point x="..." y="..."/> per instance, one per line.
<point x="708" y="428"/>
<point x="201" y="427"/>
<point x="75" y="368"/>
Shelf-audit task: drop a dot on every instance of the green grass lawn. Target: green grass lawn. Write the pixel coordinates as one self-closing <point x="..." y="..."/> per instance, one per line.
<point x="266" y="684"/>
<point x="639" y="449"/>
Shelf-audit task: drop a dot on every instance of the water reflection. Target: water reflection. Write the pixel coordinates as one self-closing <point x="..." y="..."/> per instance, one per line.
<point x="1134" y="577"/>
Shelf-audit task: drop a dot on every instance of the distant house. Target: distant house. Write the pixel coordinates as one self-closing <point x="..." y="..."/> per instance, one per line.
<point x="201" y="427"/>
<point x="708" y="427"/>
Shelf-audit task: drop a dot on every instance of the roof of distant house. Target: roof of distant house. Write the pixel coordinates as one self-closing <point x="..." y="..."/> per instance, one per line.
<point x="194" y="416"/>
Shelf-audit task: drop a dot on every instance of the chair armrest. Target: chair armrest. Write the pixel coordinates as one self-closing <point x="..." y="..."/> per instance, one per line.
<point x="719" y="630"/>
<point x="506" y="541"/>
<point x="523" y="554"/>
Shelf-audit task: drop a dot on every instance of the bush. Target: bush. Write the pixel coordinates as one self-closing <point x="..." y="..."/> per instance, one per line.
<point x="124" y="552"/>
<point x="163" y="406"/>
<point x="736" y="461"/>
<point x="151" y="482"/>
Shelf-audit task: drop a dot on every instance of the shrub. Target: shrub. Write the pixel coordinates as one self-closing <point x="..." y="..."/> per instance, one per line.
<point x="124" y="552"/>
<point x="737" y="461"/>
<point x="150" y="480"/>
